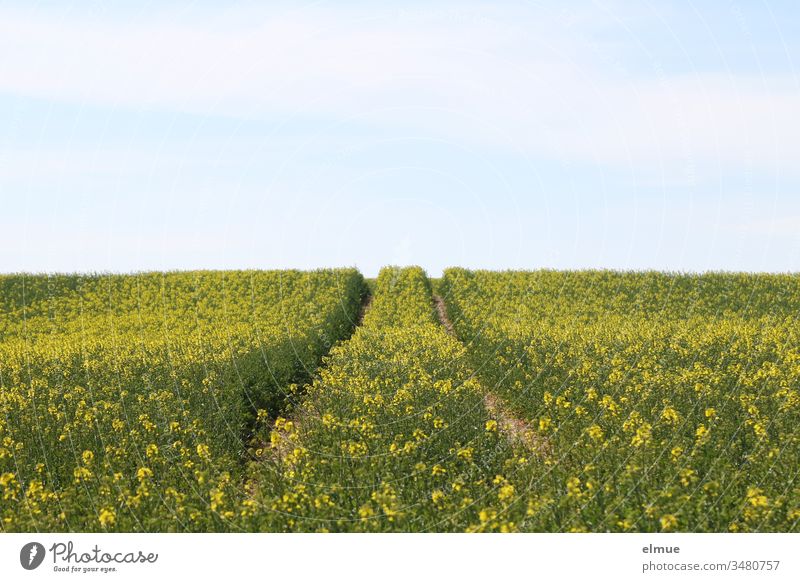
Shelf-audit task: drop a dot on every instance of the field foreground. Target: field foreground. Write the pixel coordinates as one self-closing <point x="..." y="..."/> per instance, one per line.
<point x="484" y="401"/>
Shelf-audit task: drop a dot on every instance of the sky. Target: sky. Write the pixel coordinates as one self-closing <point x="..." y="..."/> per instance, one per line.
<point x="499" y="135"/>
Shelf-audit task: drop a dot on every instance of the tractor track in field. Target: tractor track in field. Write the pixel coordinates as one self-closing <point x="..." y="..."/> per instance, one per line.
<point x="517" y="430"/>
<point x="444" y="319"/>
<point x="276" y="450"/>
<point x="366" y="303"/>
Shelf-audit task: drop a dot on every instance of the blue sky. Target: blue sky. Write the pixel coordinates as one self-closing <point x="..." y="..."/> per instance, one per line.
<point x="167" y="135"/>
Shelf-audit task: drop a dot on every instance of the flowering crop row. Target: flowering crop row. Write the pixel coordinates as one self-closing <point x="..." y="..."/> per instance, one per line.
<point x="126" y="399"/>
<point x="669" y="402"/>
<point x="146" y="402"/>
<point x="393" y="434"/>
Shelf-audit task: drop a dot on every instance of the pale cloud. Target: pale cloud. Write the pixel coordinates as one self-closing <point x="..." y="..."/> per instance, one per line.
<point x="787" y="227"/>
<point x="483" y="77"/>
<point x="486" y="137"/>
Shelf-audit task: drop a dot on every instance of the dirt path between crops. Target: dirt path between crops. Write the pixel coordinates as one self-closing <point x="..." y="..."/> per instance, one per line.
<point x="365" y="305"/>
<point x="516" y="430"/>
<point x="277" y="449"/>
<point x="444" y="319"/>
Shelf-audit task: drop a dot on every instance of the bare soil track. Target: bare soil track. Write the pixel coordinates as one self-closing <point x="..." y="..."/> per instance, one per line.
<point x="516" y="430"/>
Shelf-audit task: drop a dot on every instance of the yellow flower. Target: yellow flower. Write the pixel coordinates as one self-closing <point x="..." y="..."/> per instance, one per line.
<point x="144" y="473"/>
<point x="491" y="425"/>
<point x="505" y="493"/>
<point x="574" y="487"/>
<point x="702" y="434"/>
<point x="217" y="499"/>
<point x="756" y="497"/>
<point x="668" y="522"/>
<point x="107" y="517"/>
<point x="688" y="476"/>
<point x="81" y="474"/>
<point x="642" y="436"/>
<point x="595" y="432"/>
<point x="670" y="415"/>
<point x="465" y="453"/>
<point x="625" y="524"/>
<point x="608" y="403"/>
